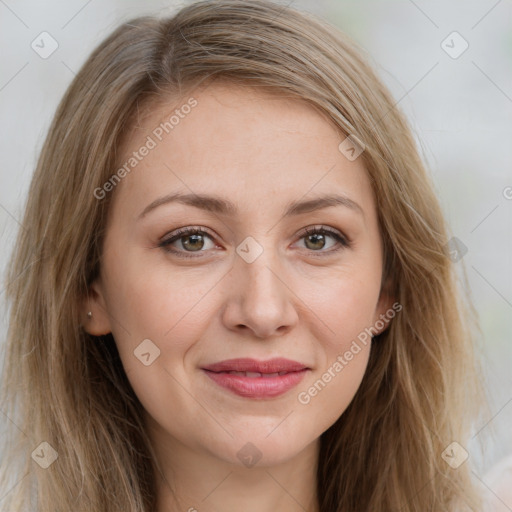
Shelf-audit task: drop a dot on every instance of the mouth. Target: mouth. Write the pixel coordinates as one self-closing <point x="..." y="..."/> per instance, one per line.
<point x="255" y="374"/>
<point x="250" y="378"/>
<point x="253" y="366"/>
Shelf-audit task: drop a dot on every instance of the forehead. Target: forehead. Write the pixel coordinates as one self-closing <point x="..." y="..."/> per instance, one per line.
<point x="240" y="142"/>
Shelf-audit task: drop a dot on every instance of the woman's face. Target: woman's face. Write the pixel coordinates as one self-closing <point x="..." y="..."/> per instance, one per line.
<point x="250" y="173"/>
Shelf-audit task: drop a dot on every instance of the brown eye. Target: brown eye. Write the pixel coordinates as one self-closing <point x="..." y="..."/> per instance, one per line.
<point x="190" y="239"/>
<point x="316" y="239"/>
<point x="192" y="242"/>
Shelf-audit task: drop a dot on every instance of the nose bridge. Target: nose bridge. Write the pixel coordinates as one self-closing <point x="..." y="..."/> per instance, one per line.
<point x="258" y="268"/>
<point x="259" y="297"/>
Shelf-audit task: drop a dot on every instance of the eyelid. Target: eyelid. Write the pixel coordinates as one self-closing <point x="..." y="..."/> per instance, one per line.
<point x="311" y="230"/>
<point x="184" y="231"/>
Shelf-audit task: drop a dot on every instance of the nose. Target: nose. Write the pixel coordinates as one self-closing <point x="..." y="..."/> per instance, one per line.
<point x="259" y="300"/>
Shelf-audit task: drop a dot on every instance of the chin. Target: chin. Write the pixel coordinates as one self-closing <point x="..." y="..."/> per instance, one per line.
<point x="252" y="449"/>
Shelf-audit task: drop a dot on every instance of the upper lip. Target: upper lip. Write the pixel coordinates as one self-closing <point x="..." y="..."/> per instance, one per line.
<point x="275" y="365"/>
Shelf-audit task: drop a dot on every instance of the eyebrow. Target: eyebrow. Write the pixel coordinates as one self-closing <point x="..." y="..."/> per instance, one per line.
<point x="222" y="206"/>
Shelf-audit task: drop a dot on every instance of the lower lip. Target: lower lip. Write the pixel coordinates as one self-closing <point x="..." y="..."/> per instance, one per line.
<point x="257" y="387"/>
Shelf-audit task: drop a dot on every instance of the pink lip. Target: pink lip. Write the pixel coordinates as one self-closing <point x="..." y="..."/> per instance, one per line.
<point x="263" y="386"/>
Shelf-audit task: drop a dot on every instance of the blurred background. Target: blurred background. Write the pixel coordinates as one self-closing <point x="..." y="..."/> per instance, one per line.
<point x="449" y="66"/>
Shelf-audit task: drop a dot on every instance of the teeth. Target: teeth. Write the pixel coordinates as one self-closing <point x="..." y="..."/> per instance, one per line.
<point x="256" y="374"/>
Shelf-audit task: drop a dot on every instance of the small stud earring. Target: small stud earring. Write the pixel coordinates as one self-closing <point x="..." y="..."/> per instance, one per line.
<point x="89" y="315"/>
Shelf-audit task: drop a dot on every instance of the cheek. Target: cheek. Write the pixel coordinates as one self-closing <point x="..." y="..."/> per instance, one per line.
<point x="346" y="308"/>
<point x="152" y="299"/>
<point x="171" y="309"/>
<point x="329" y="392"/>
<point x="344" y="304"/>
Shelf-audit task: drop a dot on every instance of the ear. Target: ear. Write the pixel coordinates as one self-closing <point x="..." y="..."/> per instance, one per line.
<point x="385" y="309"/>
<point x="99" y="321"/>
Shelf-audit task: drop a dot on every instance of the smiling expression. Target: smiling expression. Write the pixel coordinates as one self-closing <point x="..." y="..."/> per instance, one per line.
<point x="244" y="233"/>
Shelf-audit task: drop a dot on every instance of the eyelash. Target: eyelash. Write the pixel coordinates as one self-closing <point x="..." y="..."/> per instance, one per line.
<point x="343" y="241"/>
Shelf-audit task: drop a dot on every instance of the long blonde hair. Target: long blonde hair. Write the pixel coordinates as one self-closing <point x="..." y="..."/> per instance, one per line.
<point x="420" y="392"/>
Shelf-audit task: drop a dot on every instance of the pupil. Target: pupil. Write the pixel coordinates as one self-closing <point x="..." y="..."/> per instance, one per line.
<point x="317" y="237"/>
<point x="196" y="238"/>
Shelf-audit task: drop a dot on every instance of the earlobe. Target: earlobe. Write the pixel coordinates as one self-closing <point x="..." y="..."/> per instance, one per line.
<point x="95" y="318"/>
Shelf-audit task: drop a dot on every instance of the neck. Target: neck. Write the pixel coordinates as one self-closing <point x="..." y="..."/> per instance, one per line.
<point x="190" y="480"/>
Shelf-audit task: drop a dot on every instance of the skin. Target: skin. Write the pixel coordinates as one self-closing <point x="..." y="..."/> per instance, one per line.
<point x="298" y="299"/>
